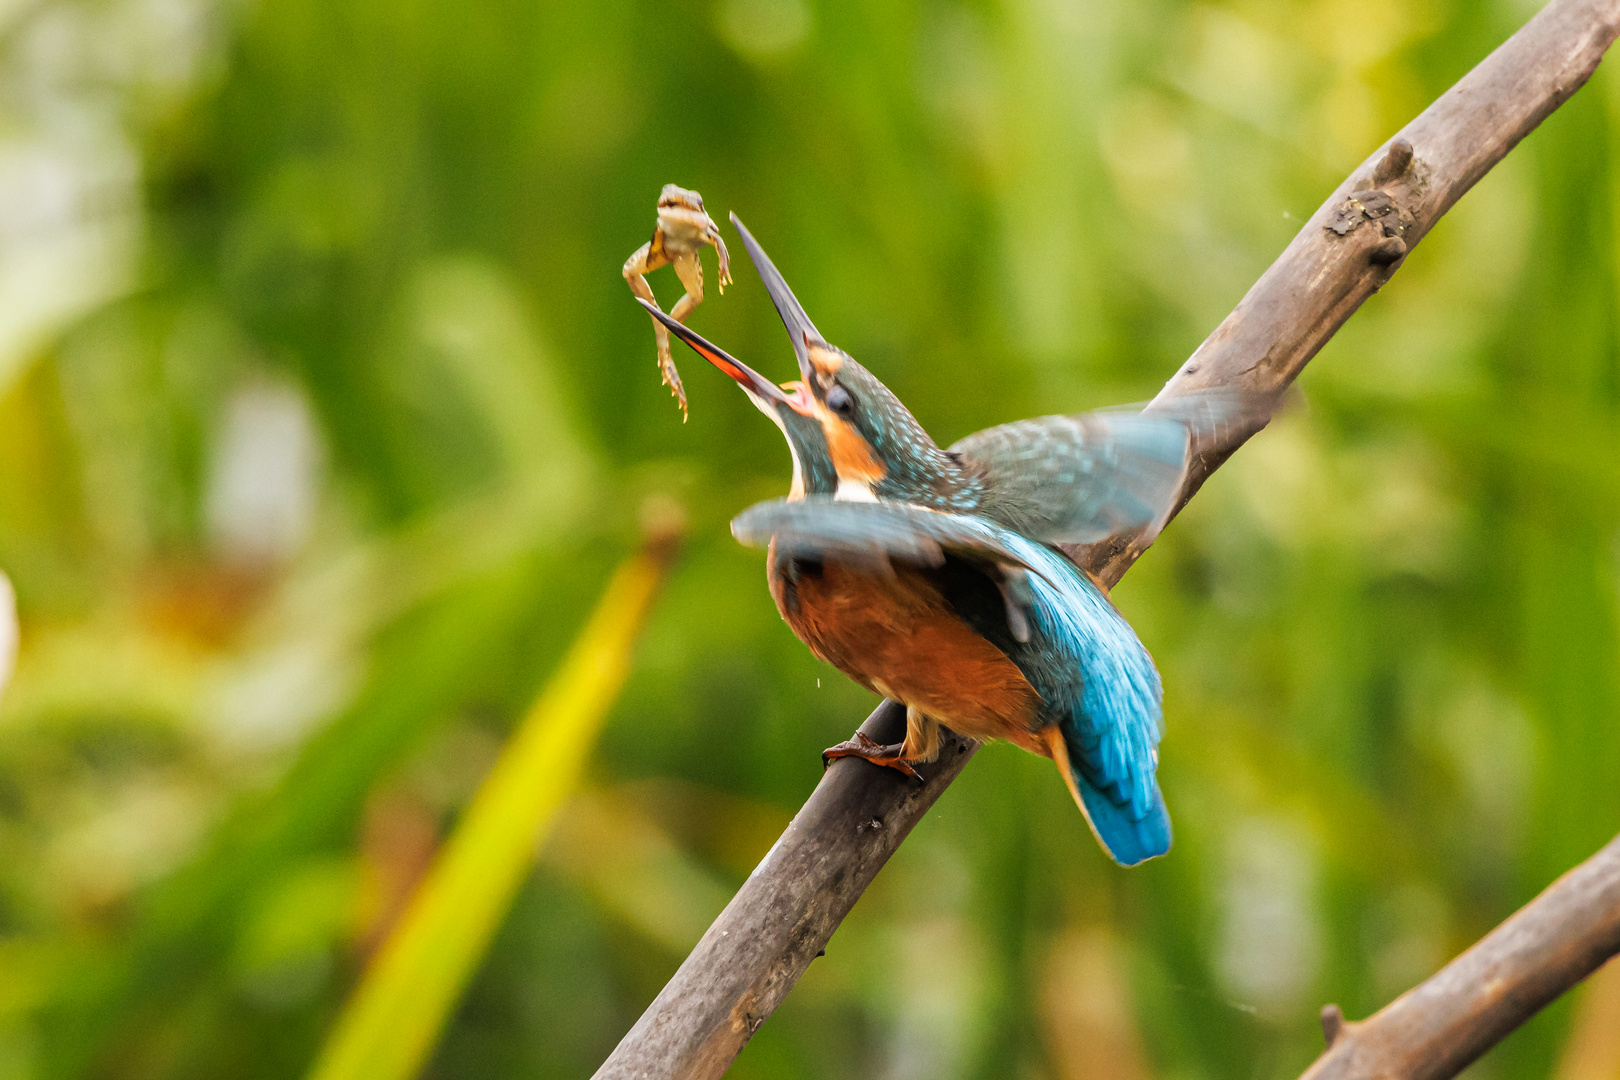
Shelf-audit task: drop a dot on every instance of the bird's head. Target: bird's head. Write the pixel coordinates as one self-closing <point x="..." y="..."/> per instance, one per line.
<point x="876" y="447"/>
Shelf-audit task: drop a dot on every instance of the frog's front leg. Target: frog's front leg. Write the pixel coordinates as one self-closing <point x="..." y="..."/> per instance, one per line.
<point x="649" y="257"/>
<point x="722" y="256"/>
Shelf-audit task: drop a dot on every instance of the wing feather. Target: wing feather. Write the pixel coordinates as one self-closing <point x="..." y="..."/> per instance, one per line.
<point x="1083" y="478"/>
<point x="821" y="526"/>
<point x="1080" y="479"/>
<point x="1097" y="682"/>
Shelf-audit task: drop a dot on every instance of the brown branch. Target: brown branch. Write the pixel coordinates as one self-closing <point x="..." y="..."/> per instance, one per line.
<point x="1360" y="236"/>
<point x="785" y="913"/>
<point x="1435" y="1030"/>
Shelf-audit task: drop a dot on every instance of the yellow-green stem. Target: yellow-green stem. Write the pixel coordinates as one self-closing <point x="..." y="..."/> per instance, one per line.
<point x="393" y="1019"/>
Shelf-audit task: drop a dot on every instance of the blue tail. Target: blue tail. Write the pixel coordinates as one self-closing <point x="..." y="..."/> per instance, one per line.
<point x="1128" y="840"/>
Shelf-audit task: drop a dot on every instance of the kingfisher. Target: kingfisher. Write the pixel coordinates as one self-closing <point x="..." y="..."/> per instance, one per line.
<point x="938" y="577"/>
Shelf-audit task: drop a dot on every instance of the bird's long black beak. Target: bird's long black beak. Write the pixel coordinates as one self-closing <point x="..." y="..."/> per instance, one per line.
<point x="747" y="377"/>
<point x="801" y="331"/>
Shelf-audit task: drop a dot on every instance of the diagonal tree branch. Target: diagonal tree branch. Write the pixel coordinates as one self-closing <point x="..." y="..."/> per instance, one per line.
<point x="783" y="916"/>
<point x="1438" y="1028"/>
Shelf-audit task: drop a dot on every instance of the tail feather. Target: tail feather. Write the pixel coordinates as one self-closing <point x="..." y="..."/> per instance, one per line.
<point x="1128" y="839"/>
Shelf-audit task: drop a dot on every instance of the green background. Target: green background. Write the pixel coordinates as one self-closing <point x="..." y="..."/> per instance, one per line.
<point x="325" y="414"/>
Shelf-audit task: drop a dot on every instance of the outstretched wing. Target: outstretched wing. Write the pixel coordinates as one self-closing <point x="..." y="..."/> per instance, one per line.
<point x="1080" y="479"/>
<point x="820" y="526"/>
<point x="1100" y="692"/>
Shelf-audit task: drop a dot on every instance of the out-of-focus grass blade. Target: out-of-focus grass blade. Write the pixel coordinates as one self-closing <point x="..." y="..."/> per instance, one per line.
<point x="8" y="630"/>
<point x="393" y="1019"/>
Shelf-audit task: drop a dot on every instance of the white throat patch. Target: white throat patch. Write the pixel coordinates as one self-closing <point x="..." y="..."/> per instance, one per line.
<point x="854" y="491"/>
<point x="796" y="492"/>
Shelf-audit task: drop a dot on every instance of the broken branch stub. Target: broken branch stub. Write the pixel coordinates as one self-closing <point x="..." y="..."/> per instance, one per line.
<point x="1436" y="1029"/>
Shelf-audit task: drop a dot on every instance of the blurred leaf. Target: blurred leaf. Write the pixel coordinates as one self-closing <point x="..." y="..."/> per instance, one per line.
<point x="394" y="1016"/>
<point x="635" y="870"/>
<point x="1084" y="1013"/>
<point x="285" y="951"/>
<point x="8" y="630"/>
<point x="191" y="923"/>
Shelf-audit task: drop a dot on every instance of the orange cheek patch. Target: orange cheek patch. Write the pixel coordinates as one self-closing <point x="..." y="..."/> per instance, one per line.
<point x="851" y="454"/>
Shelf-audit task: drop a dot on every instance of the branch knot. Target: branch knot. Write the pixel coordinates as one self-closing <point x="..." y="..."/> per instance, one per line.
<point x="1332" y="1023"/>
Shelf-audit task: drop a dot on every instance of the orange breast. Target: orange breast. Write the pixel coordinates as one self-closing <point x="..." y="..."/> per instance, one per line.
<point x="897" y="636"/>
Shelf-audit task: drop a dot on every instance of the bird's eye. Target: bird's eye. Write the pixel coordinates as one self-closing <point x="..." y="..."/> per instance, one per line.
<point x="840" y="400"/>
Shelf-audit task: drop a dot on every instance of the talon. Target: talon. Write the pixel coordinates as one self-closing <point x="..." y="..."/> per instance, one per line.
<point x="863" y="746"/>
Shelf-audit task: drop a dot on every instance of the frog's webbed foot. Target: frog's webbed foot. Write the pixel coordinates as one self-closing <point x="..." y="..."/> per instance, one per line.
<point x="648" y="257"/>
<point x="863" y="746"/>
<point x="666" y="368"/>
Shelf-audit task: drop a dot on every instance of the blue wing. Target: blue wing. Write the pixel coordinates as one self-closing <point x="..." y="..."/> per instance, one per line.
<point x="820" y="525"/>
<point x="1112" y="721"/>
<point x="1081" y="479"/>
<point x="1097" y="682"/>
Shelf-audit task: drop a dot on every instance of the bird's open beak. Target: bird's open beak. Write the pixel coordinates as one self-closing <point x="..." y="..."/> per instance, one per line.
<point x="801" y="331"/>
<point x="757" y="385"/>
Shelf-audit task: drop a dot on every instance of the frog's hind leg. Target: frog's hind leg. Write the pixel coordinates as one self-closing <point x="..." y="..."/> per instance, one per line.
<point x="690" y="271"/>
<point x="649" y="257"/>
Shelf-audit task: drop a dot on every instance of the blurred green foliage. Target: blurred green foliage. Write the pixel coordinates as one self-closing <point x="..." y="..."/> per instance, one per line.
<point x="415" y="978"/>
<point x="326" y="414"/>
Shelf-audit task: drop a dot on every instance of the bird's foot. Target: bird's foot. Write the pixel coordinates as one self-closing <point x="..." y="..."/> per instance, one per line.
<point x="863" y="746"/>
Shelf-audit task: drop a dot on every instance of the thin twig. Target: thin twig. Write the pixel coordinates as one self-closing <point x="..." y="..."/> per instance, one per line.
<point x="1433" y="1031"/>
<point x="785" y="913"/>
